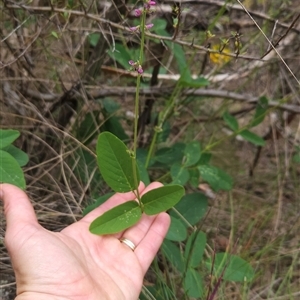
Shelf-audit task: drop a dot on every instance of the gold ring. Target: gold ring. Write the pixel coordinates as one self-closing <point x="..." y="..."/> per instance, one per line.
<point x="128" y="243"/>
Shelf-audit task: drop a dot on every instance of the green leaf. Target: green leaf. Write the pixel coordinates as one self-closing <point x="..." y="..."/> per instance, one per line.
<point x="112" y="122"/>
<point x="236" y="269"/>
<point x="160" y="26"/>
<point x="179" y="54"/>
<point x="216" y="178"/>
<point x="192" y="153"/>
<point x="84" y="166"/>
<point x="179" y="174"/>
<point x="192" y="207"/>
<point x="170" y="155"/>
<point x="121" y="55"/>
<point x="194" y="249"/>
<point x="173" y="254"/>
<point x="97" y="203"/>
<point x="160" y="291"/>
<point x="20" y="156"/>
<point x="116" y="164"/>
<point x="177" y="231"/>
<point x="188" y="82"/>
<point x="193" y="283"/>
<point x="144" y="176"/>
<point x="117" y="219"/>
<point x="231" y="121"/>
<point x="194" y="177"/>
<point x="10" y="171"/>
<point x="161" y="199"/>
<point x="164" y="134"/>
<point x="296" y="157"/>
<point x="260" y="112"/>
<point x="252" y="138"/>
<point x="113" y="125"/>
<point x="93" y="38"/>
<point x="7" y="137"/>
<point x="54" y="33"/>
<point x="87" y="129"/>
<point x="110" y="106"/>
<point x="142" y="155"/>
<point x="204" y="159"/>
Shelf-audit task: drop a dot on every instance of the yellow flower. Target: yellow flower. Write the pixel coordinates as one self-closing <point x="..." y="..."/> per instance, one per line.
<point x="218" y="58"/>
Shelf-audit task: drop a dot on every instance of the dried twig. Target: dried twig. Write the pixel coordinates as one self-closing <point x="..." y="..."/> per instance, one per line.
<point x="105" y="91"/>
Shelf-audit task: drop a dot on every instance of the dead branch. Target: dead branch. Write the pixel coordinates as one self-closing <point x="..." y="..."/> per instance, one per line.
<point x="105" y="91"/>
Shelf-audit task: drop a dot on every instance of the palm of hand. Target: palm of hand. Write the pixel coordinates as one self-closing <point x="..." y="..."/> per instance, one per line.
<point x="76" y="264"/>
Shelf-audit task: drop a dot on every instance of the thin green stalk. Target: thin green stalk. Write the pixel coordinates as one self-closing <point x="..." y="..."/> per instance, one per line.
<point x="136" y="106"/>
<point x="138" y="82"/>
<point x="151" y="149"/>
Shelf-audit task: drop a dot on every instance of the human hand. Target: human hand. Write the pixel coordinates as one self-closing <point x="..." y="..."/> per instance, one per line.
<point x="74" y="263"/>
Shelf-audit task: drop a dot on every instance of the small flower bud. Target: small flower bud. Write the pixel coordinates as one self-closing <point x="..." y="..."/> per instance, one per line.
<point x="137" y="12"/>
<point x="135" y="28"/>
<point x="139" y="69"/>
<point x="149" y="25"/>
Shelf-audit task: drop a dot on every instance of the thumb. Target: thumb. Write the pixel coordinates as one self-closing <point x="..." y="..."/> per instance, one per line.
<point x="17" y="207"/>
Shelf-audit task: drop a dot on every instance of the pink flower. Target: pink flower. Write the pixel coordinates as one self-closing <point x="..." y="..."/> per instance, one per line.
<point x="149" y="25"/>
<point x="139" y="69"/>
<point x="135" y="28"/>
<point x="137" y="12"/>
<point x="136" y="66"/>
<point x="149" y="3"/>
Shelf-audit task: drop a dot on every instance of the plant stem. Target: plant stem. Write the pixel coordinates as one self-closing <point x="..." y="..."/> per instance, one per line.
<point x="136" y="106"/>
<point x="138" y="82"/>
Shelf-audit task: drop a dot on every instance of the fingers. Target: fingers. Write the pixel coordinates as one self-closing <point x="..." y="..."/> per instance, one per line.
<point x="17" y="207"/>
<point x="152" y="241"/>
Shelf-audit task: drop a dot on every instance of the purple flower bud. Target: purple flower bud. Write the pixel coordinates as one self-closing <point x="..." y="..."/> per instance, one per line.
<point x="149" y="25"/>
<point x="149" y="3"/>
<point x="134" y="28"/>
<point x="131" y="62"/>
<point x="137" y="12"/>
<point x="140" y="70"/>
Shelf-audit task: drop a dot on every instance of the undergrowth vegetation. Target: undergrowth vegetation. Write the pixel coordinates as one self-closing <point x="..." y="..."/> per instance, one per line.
<point x="196" y="94"/>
